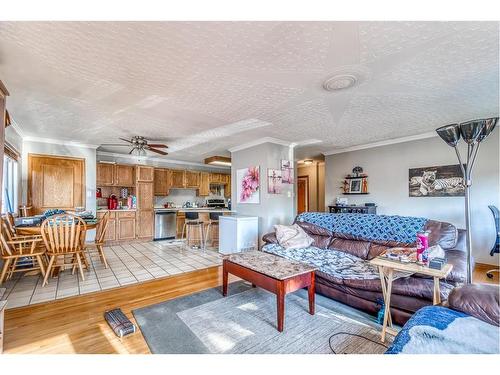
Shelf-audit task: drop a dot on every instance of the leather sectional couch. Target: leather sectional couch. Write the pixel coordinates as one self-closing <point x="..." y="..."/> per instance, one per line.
<point x="409" y="293"/>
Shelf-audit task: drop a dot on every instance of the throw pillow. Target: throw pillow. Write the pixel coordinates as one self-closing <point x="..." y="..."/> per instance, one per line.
<point x="292" y="236"/>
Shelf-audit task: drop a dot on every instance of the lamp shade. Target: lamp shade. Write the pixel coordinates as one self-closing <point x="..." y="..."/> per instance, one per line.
<point x="489" y="125"/>
<point x="470" y="130"/>
<point x="450" y="134"/>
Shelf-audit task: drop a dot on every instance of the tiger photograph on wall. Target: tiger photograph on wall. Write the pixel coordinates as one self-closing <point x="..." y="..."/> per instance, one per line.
<point x="438" y="181"/>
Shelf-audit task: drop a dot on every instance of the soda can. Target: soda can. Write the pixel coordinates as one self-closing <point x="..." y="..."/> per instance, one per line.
<point x="422" y="246"/>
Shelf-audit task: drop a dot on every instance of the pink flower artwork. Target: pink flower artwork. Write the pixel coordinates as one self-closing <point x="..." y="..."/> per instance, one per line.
<point x="248" y="185"/>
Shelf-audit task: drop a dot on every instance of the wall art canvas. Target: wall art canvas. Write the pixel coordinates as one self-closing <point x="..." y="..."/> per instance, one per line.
<point x="248" y="185"/>
<point x="274" y="181"/>
<point x="438" y="181"/>
<point x="286" y="172"/>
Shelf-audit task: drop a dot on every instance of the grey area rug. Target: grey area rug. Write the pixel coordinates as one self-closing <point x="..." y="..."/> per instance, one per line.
<point x="245" y="322"/>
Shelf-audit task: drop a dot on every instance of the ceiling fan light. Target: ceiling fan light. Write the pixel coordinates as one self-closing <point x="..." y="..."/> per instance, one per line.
<point x="489" y="125"/>
<point x="450" y="134"/>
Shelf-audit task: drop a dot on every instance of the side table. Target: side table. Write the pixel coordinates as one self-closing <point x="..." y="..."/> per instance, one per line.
<point x="386" y="268"/>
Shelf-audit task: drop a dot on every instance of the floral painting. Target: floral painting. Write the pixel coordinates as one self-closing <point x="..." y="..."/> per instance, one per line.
<point x="274" y="181"/>
<point x="248" y="182"/>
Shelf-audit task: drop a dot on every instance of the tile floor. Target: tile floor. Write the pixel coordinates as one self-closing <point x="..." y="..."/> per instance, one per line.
<point x="128" y="264"/>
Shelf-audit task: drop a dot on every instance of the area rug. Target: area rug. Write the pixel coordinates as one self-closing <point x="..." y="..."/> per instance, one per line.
<point x="245" y="323"/>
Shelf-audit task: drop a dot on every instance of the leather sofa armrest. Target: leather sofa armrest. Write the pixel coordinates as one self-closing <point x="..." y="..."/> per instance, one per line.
<point x="478" y="300"/>
<point x="270" y="238"/>
<point x="458" y="259"/>
<point x="460" y="246"/>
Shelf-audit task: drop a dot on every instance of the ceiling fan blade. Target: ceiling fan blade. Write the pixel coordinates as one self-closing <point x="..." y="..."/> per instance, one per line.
<point x="157" y="151"/>
<point x="157" y="145"/>
<point x="131" y="151"/>
<point x="114" y="144"/>
<point x="125" y="140"/>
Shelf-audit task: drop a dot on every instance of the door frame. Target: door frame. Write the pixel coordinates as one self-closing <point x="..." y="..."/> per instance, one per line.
<point x="29" y="196"/>
<point x="306" y="179"/>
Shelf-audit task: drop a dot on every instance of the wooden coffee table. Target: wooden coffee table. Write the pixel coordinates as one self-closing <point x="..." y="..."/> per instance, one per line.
<point x="272" y="273"/>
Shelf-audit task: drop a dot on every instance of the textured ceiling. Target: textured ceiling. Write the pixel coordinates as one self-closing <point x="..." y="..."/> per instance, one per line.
<point x="205" y="87"/>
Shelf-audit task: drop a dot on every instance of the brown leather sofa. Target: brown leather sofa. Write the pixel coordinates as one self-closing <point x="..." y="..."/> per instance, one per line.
<point x="408" y="294"/>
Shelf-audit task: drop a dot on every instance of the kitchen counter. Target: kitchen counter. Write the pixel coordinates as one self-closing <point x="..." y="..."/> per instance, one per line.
<point x="117" y="210"/>
<point x="195" y="209"/>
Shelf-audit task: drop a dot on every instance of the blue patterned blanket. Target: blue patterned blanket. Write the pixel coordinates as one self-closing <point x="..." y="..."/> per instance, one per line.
<point x="439" y="330"/>
<point x="368" y="227"/>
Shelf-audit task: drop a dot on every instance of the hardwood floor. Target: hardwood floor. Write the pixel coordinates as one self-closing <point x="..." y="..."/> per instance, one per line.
<point x="479" y="275"/>
<point x="76" y="324"/>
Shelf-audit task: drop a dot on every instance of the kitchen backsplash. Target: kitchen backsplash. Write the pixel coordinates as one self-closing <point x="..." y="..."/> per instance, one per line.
<point x="181" y="196"/>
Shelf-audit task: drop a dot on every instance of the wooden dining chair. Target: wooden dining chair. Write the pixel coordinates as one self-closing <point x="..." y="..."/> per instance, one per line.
<point x="64" y="235"/>
<point x="19" y="248"/>
<point x="100" y="234"/>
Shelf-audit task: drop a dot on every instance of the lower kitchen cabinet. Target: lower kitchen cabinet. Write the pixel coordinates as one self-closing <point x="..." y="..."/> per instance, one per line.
<point x="145" y="219"/>
<point x="125" y="226"/>
<point x="181" y="218"/>
<point x="111" y="230"/>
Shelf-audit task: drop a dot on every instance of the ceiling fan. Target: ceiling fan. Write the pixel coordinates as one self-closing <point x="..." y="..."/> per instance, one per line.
<point x="140" y="145"/>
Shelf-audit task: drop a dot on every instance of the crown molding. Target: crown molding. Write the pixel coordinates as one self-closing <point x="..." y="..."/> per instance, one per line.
<point x="161" y="160"/>
<point x="261" y="141"/>
<point x="381" y="143"/>
<point x="16" y="127"/>
<point x="58" y="142"/>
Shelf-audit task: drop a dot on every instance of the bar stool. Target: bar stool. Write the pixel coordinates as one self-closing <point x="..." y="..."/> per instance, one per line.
<point x="213" y="220"/>
<point x="193" y="222"/>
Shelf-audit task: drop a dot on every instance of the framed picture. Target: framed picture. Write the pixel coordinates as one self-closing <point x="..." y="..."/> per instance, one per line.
<point x="286" y="164"/>
<point x="438" y="181"/>
<point x="355" y="185"/>
<point x="248" y="185"/>
<point x="286" y="172"/>
<point x="274" y="181"/>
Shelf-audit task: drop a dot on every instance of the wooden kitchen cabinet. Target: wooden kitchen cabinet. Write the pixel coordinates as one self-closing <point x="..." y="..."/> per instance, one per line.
<point x="161" y="184"/>
<point x="145" y="197"/>
<point x="192" y="179"/>
<point x="145" y="224"/>
<point x="105" y="174"/>
<point x="204" y="189"/>
<point x="145" y="174"/>
<point x="177" y="179"/>
<point x="126" y="225"/>
<point x="124" y="175"/>
<point x="227" y="186"/>
<point x="215" y="178"/>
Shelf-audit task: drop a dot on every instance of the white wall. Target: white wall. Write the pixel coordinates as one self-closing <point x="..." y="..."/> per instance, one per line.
<point x="273" y="208"/>
<point x="89" y="154"/>
<point x="387" y="167"/>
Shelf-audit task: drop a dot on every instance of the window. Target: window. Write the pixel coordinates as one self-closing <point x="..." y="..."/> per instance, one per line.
<point x="10" y="185"/>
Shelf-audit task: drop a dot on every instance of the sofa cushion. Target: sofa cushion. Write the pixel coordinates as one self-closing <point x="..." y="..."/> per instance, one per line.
<point x="477" y="300"/>
<point x="332" y="262"/>
<point x="359" y="249"/>
<point x="383" y="229"/>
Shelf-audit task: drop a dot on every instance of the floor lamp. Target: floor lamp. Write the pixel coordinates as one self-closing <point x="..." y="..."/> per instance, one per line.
<point x="473" y="133"/>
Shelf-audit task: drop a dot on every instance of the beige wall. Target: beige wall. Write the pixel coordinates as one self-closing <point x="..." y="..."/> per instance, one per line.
<point x="387" y="168"/>
<point x="316" y="174"/>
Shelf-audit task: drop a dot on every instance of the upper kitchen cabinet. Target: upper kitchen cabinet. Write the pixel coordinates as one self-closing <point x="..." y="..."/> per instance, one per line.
<point x="105" y="174"/>
<point x="192" y="180"/>
<point x="204" y="189"/>
<point x="177" y="179"/>
<point x="144" y="174"/>
<point x="215" y="178"/>
<point x="227" y="186"/>
<point x="115" y="175"/>
<point x="161" y="184"/>
<point x="124" y="175"/>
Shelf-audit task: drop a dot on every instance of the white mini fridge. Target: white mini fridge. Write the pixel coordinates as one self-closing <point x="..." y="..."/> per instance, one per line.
<point x="238" y="233"/>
